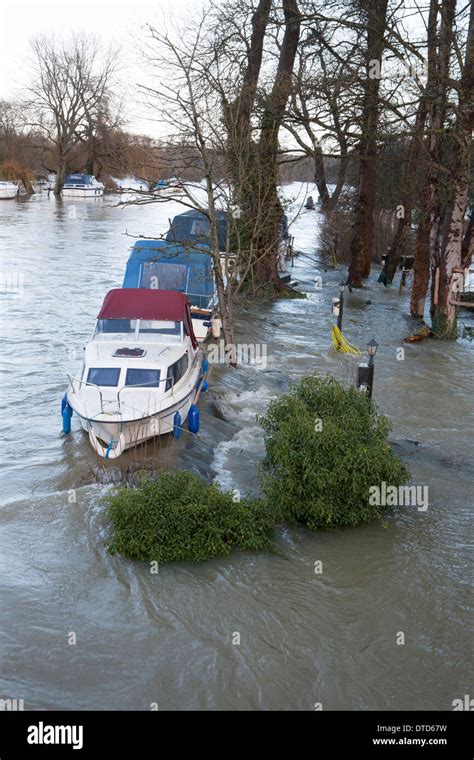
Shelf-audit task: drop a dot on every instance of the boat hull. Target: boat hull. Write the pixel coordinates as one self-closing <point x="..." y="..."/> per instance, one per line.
<point x="84" y="192"/>
<point x="8" y="193"/>
<point x="127" y="435"/>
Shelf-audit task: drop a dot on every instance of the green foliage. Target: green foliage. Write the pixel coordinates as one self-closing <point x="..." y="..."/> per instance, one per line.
<point x="289" y="292"/>
<point x="177" y="516"/>
<point x="321" y="477"/>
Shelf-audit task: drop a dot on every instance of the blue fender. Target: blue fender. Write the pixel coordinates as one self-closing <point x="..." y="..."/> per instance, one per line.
<point x="177" y="425"/>
<point x="66" y="414"/>
<point x="193" y="419"/>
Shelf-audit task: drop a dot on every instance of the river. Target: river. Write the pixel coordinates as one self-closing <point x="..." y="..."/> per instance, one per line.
<point x="328" y="640"/>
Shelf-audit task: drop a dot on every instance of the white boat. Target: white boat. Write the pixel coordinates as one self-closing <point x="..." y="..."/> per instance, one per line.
<point x="82" y="186"/>
<point x="167" y="187"/>
<point x="8" y="190"/>
<point x="141" y="371"/>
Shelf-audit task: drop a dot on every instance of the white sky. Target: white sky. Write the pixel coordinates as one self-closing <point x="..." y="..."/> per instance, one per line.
<point x="112" y="21"/>
<point x="115" y="22"/>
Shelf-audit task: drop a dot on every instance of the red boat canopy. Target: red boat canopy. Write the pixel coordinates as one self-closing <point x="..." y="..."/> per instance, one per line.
<point x="142" y="303"/>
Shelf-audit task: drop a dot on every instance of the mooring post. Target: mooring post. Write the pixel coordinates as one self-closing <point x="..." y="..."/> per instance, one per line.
<point x="372" y="347"/>
<point x="365" y="372"/>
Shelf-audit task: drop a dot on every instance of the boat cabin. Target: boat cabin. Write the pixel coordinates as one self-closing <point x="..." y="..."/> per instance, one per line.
<point x="80" y="180"/>
<point x="193" y="227"/>
<point x="159" y="265"/>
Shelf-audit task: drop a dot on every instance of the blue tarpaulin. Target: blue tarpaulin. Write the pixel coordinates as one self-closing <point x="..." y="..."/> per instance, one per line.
<point x="194" y="227"/>
<point x="160" y="265"/>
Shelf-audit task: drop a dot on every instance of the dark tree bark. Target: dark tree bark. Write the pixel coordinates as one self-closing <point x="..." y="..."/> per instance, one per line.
<point x="268" y="147"/>
<point x="238" y="114"/>
<point x="362" y="246"/>
<point x="444" y="311"/>
<point x="436" y="93"/>
<point x="467" y="250"/>
<point x="398" y="246"/>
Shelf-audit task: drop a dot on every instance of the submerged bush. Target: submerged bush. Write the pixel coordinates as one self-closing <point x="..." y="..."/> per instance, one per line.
<point x="325" y="446"/>
<point x="177" y="516"/>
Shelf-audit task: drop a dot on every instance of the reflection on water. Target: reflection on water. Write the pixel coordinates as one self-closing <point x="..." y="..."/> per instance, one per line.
<point x="167" y="638"/>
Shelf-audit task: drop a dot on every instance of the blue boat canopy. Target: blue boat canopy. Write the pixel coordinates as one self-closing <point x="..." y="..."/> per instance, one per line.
<point x="160" y="265"/>
<point x="193" y="227"/>
<point x="79" y="179"/>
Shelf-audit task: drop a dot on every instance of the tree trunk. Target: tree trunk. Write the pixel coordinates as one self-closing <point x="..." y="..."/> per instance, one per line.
<point x="320" y="178"/>
<point x="421" y="269"/>
<point x="224" y="294"/>
<point x="265" y="188"/>
<point x="362" y="246"/>
<point x="341" y="179"/>
<point x="444" y="312"/>
<point x="60" y="176"/>
<point x="467" y="250"/>
<point x="398" y="246"/>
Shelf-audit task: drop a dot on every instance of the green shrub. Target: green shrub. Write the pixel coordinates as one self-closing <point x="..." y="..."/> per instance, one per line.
<point x="177" y="516"/>
<point x="322" y="477"/>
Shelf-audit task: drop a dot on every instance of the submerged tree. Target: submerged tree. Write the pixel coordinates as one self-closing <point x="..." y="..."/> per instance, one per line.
<point x="450" y="257"/>
<point x="70" y="92"/>
<point x="253" y="127"/>
<point x="375" y="16"/>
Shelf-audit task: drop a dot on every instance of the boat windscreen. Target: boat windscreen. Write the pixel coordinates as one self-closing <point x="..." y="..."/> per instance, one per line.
<point x="120" y="326"/>
<point x="160" y="275"/>
<point x="154" y="329"/>
<point x="79" y="179"/>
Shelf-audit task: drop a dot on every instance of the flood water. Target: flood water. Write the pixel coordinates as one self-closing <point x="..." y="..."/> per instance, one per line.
<point x="168" y="638"/>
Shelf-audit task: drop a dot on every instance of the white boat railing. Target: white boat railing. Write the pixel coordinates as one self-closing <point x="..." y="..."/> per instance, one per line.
<point x="73" y="380"/>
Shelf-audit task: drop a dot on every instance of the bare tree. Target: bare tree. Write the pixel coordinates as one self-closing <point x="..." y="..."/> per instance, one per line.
<point x="70" y="91"/>
<point x="375" y="14"/>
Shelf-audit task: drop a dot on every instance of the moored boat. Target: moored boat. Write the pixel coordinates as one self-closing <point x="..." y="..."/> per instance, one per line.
<point x="158" y="264"/>
<point x="167" y="187"/>
<point x="8" y="190"/>
<point x="140" y="374"/>
<point x="82" y="186"/>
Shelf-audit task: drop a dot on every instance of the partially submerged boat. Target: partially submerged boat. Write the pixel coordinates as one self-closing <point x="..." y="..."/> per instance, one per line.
<point x="8" y="190"/>
<point x="161" y="265"/>
<point x="82" y="186"/>
<point x="141" y="371"/>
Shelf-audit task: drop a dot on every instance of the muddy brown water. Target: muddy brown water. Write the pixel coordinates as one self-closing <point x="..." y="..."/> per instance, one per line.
<point x="168" y="638"/>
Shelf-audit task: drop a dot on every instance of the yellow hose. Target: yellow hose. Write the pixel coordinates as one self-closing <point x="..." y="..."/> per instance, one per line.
<point x="341" y="344"/>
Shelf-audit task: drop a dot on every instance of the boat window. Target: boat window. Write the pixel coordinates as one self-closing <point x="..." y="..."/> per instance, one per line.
<point x="116" y="326"/>
<point x="201" y="228"/>
<point x="78" y="179"/>
<point x="159" y="275"/>
<point x="176" y="371"/>
<point x="163" y="331"/>
<point x="142" y="378"/>
<point x="104" y="376"/>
